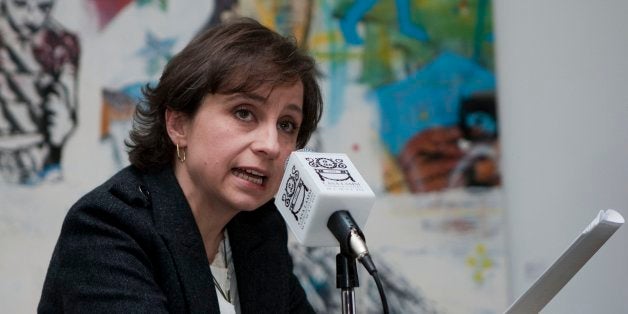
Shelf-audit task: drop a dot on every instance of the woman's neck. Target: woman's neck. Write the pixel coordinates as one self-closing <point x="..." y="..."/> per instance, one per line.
<point x="211" y="225"/>
<point x="210" y="217"/>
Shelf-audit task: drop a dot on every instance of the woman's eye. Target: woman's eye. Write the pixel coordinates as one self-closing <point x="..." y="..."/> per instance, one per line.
<point x="288" y="126"/>
<point x="45" y="7"/>
<point x="244" y="114"/>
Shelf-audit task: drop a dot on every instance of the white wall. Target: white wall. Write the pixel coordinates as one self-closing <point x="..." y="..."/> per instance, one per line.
<point x="562" y="69"/>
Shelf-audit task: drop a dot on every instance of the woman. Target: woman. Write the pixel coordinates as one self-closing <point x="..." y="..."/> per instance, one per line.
<point x="190" y="225"/>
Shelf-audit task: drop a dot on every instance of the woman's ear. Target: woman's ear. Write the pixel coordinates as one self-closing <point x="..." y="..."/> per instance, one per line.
<point x="177" y="126"/>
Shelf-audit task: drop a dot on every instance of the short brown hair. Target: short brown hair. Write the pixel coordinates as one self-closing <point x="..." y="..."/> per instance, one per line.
<point x="237" y="56"/>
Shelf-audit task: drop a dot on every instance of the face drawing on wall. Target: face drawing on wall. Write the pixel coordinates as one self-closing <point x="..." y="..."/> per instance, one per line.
<point x="38" y="91"/>
<point x="26" y="17"/>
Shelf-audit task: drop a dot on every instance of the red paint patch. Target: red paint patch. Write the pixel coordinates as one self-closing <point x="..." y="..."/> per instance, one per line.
<point x="106" y="10"/>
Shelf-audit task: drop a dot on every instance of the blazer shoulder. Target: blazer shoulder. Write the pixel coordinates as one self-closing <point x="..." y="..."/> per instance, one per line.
<point x="123" y="196"/>
<point x="126" y="186"/>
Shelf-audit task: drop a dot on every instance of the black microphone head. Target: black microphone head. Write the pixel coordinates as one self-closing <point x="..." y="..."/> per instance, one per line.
<point x="341" y="224"/>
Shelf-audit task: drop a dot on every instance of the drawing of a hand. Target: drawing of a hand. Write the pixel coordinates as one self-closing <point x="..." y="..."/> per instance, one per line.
<point x="59" y="116"/>
<point x="429" y="157"/>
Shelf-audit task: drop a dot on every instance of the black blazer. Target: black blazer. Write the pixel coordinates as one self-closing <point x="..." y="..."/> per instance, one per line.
<point x="132" y="245"/>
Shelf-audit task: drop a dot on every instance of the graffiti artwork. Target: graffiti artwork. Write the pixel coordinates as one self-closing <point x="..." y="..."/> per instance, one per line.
<point x="409" y="93"/>
<point x="39" y="62"/>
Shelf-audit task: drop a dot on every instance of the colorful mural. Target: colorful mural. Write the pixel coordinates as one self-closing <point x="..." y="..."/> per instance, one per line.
<point x="39" y="62"/>
<point x="409" y="96"/>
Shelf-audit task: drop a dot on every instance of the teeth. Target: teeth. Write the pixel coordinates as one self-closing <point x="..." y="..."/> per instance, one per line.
<point x="249" y="175"/>
<point x="254" y="172"/>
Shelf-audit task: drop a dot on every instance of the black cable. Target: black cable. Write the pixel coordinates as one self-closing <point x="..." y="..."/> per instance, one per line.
<point x="367" y="262"/>
<point x="380" y="289"/>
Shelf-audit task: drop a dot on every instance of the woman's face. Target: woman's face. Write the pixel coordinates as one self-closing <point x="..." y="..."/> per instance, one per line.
<point x="236" y="146"/>
<point x="26" y="17"/>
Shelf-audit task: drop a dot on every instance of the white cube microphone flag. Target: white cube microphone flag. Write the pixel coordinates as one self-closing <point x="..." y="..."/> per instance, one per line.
<point x="315" y="186"/>
<point x="324" y="200"/>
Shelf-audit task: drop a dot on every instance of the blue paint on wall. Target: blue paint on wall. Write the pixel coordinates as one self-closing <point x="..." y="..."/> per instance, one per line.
<point x="429" y="97"/>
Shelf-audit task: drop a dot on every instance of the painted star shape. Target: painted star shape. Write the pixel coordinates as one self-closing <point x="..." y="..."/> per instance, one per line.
<point x="156" y="52"/>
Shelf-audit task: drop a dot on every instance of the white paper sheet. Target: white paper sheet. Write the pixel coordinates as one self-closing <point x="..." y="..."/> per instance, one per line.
<point x="568" y="264"/>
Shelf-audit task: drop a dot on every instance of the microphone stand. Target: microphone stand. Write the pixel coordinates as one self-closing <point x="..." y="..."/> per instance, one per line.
<point x="346" y="280"/>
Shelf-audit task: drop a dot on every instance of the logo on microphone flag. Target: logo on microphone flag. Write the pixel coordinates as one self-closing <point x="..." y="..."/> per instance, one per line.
<point x="330" y="169"/>
<point x="295" y="195"/>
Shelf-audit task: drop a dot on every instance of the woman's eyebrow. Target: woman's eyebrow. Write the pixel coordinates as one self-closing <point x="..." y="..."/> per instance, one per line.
<point x="296" y="108"/>
<point x="247" y="95"/>
<point x="261" y="99"/>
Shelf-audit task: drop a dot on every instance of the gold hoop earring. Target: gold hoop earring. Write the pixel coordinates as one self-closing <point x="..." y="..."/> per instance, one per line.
<point x="180" y="154"/>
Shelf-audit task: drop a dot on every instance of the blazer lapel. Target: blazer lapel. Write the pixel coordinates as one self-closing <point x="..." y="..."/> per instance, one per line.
<point x="261" y="271"/>
<point x="176" y="224"/>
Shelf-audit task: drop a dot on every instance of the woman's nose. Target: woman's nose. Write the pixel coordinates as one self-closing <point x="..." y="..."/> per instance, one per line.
<point x="267" y="141"/>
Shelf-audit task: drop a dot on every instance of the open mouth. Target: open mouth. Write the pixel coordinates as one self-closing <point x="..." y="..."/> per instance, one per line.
<point x="249" y="175"/>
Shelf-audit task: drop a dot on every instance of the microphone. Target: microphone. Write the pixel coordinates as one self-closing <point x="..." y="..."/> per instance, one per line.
<point x="324" y="199"/>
